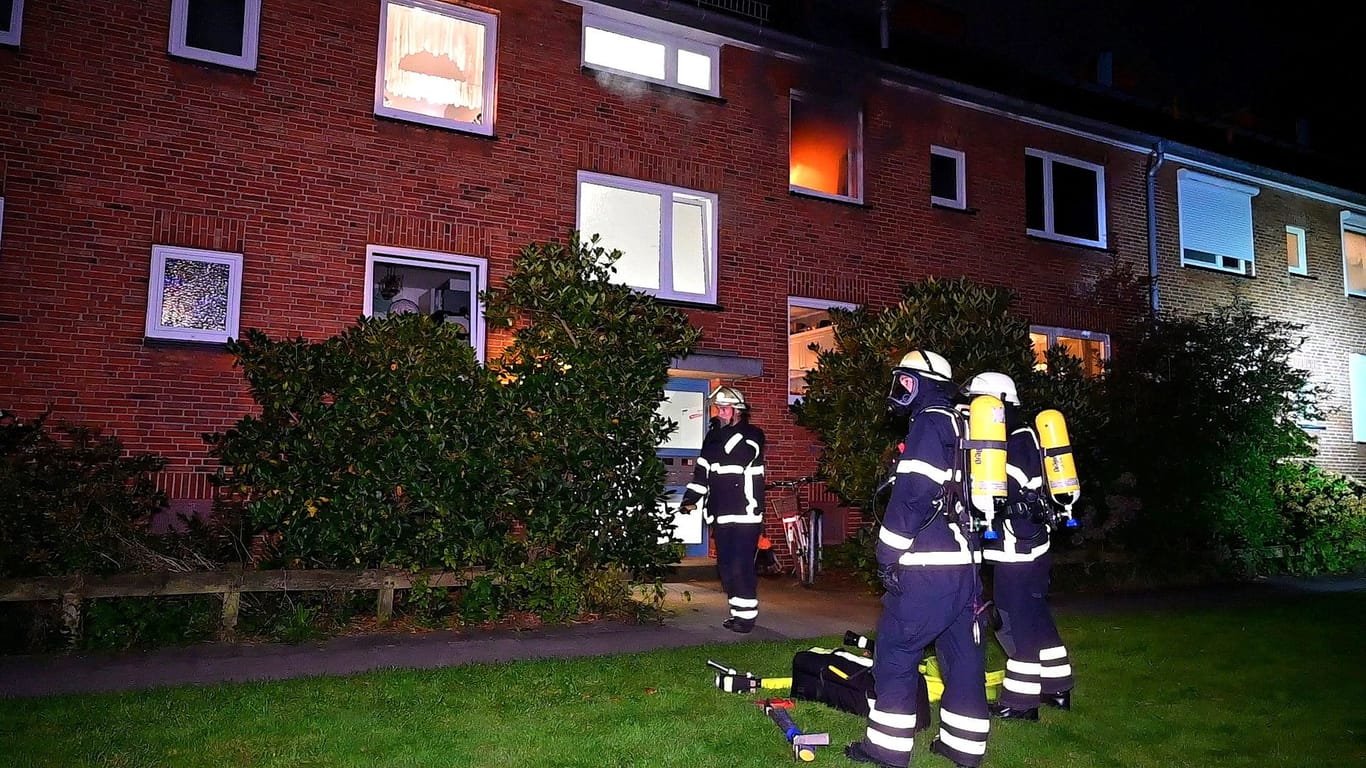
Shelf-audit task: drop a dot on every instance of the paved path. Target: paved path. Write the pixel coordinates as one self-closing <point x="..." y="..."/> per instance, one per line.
<point x="788" y="611"/>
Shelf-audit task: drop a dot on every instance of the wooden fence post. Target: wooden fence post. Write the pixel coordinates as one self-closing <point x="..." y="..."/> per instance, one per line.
<point x="232" y="601"/>
<point x="385" y="604"/>
<point x="71" y="617"/>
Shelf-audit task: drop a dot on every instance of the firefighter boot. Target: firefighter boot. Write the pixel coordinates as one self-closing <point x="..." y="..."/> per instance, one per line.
<point x="1013" y="713"/>
<point x="938" y="748"/>
<point x="1058" y="700"/>
<point x="856" y="753"/>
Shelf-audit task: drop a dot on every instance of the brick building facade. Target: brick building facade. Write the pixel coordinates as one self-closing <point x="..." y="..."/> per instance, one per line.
<point x="269" y="167"/>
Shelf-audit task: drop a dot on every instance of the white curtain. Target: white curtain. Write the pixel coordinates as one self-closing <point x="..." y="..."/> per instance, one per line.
<point x="434" y="58"/>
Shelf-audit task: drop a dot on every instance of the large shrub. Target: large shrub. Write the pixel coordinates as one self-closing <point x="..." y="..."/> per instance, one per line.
<point x="583" y="380"/>
<point x="391" y="445"/>
<point x="845" y="402"/>
<point x="72" y="501"/>
<point x="1325" y="519"/>
<point x="377" y="447"/>
<point x="1203" y="408"/>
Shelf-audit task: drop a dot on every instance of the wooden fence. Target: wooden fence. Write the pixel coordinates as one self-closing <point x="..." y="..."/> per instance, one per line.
<point x="230" y="583"/>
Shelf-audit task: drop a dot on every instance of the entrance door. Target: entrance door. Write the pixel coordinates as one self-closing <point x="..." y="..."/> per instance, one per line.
<point x="685" y="402"/>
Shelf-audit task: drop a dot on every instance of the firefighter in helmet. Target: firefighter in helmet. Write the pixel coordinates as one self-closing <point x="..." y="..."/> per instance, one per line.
<point x="1038" y="670"/>
<point x="926" y="555"/>
<point x="728" y="486"/>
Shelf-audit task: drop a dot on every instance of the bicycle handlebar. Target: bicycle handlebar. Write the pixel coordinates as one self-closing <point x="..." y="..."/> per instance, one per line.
<point x="792" y="483"/>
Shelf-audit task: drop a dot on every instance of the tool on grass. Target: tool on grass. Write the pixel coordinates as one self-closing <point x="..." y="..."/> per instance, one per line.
<point x="803" y="744"/>
<point x="734" y="681"/>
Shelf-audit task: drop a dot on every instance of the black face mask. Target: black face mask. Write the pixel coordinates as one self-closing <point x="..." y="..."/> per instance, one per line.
<point x="899" y="399"/>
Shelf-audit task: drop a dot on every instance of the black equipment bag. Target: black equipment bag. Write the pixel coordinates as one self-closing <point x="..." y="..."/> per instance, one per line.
<point x="844" y="680"/>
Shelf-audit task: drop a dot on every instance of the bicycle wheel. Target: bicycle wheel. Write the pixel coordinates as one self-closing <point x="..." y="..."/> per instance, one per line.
<point x="812" y="556"/>
<point x="799" y="555"/>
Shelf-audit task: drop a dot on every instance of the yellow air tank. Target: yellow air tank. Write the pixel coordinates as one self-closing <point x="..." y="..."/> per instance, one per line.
<point x="987" y="457"/>
<point x="1059" y="467"/>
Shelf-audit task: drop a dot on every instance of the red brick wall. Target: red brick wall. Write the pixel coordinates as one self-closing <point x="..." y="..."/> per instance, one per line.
<point x="108" y="146"/>
<point x="1334" y="323"/>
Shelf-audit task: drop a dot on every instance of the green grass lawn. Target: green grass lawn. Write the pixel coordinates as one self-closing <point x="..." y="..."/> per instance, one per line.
<point x="1281" y="684"/>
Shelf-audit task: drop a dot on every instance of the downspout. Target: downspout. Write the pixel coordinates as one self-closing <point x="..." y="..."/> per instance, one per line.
<point x="883" y="25"/>
<point x="1155" y="160"/>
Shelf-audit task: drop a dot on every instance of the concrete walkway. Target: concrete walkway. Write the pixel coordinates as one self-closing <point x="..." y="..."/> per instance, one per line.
<point x="788" y="611"/>
<point x="697" y="608"/>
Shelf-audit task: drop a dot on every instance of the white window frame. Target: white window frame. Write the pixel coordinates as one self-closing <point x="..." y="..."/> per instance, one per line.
<point x="1053" y="332"/>
<point x="2" y="224"/>
<point x="796" y="96"/>
<point x="1049" y="231"/>
<point x="412" y="257"/>
<point x="665" y="290"/>
<point x="672" y="43"/>
<point x="1356" y="223"/>
<point x="153" y="327"/>
<point x="16" y="24"/>
<point x="1225" y="263"/>
<point x="490" y="85"/>
<point x="251" y="33"/>
<point x="1356" y="383"/>
<point x="960" y="169"/>
<point x="800" y="301"/>
<point x="1303" y="255"/>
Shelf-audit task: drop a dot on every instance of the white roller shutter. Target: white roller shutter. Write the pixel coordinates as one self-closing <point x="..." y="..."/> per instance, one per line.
<point x="1216" y="216"/>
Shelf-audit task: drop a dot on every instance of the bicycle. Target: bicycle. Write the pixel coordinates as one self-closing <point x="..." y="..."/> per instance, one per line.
<point x="803" y="528"/>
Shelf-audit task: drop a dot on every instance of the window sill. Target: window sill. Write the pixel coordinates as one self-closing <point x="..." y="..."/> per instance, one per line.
<point x="683" y="304"/>
<point x="812" y="195"/>
<point x="965" y="210"/>
<point x="156" y="342"/>
<point x="1071" y="244"/>
<point x="663" y="89"/>
<point x="1302" y="276"/>
<point x="397" y="121"/>
<point x="1216" y="270"/>
<point x="213" y="65"/>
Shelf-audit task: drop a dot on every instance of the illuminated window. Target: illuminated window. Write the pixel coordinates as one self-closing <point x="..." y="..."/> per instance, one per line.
<point x="444" y="286"/>
<point x="1356" y="365"/>
<point x="825" y="150"/>
<point x="808" y="324"/>
<point x="1295" y="257"/>
<point x="1354" y="253"/>
<point x="1064" y="198"/>
<point x="1216" y="222"/>
<point x="437" y="65"/>
<point x="217" y="31"/>
<point x="626" y="49"/>
<point x="667" y="235"/>
<point x="948" y="186"/>
<point x="1092" y="349"/>
<point x="194" y="295"/>
<point x="11" y="21"/>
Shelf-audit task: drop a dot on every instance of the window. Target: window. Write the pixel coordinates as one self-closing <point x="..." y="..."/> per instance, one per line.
<point x="11" y="21"/>
<point x="948" y="185"/>
<point x="436" y="65"/>
<point x="808" y="324"/>
<point x="625" y="49"/>
<point x="1357" y="373"/>
<point x="1216" y="222"/>
<point x="1092" y="349"/>
<point x="217" y="31"/>
<point x="825" y="150"/>
<point x="1354" y="253"/>
<point x="193" y="295"/>
<point x="443" y="285"/>
<point x="1295" y="257"/>
<point x="1064" y="198"/>
<point x="667" y="235"/>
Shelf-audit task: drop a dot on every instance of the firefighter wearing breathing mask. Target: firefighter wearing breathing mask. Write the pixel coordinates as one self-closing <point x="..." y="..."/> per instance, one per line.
<point x="1038" y="670"/>
<point x="927" y="554"/>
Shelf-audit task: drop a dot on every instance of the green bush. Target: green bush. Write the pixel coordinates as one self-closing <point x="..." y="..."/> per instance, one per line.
<point x="1203" y="408"/>
<point x="391" y="445"/>
<point x="1325" y="520"/>
<point x="377" y="447"/>
<point x="118" y="623"/>
<point x="73" y="502"/>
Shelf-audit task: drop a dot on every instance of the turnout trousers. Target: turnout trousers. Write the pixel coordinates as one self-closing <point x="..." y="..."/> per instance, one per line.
<point x="1037" y="663"/>
<point x="737" y="544"/>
